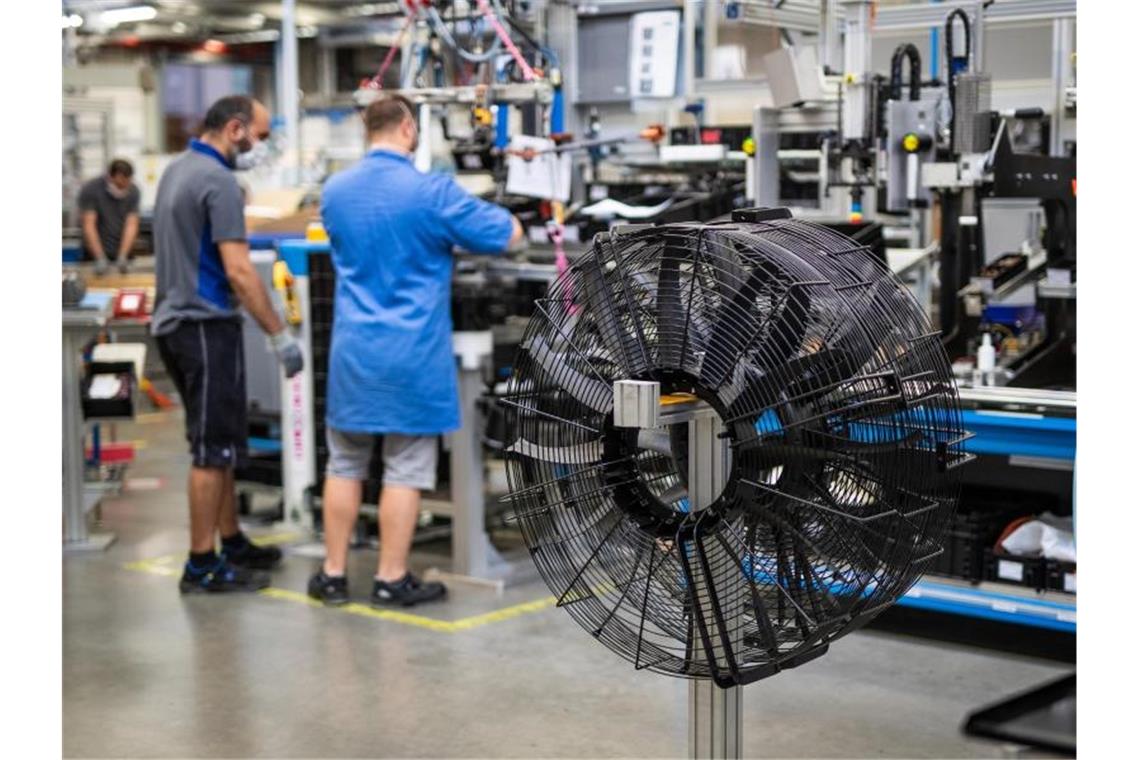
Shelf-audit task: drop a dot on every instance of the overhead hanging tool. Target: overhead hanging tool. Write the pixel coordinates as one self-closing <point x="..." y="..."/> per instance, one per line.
<point x="653" y="133"/>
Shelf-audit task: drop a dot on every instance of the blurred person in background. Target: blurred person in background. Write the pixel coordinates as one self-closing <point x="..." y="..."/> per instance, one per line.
<point x="109" y="214"/>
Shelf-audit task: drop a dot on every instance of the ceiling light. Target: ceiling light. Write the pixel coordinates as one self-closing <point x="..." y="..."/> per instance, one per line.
<point x="257" y="19"/>
<point x="127" y="15"/>
<point x="72" y="21"/>
<point x="178" y="27"/>
<point x="306" y="31"/>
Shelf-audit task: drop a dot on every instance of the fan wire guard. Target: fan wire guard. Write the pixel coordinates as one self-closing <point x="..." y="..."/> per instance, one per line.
<point x="841" y="416"/>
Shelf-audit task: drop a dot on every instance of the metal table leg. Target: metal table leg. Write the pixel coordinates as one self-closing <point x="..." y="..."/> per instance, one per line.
<point x="474" y="559"/>
<point x="472" y="553"/>
<point x="75" y="506"/>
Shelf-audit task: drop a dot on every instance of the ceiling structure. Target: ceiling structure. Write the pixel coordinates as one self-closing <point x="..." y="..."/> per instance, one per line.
<point x="229" y="21"/>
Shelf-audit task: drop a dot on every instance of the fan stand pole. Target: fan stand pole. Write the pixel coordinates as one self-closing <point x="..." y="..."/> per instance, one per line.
<point x="714" y="713"/>
<point x="714" y="721"/>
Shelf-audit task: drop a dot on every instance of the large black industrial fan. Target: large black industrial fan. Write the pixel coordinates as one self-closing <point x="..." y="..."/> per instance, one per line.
<point x="835" y="410"/>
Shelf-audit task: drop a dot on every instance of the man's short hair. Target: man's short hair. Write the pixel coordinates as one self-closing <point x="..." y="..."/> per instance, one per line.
<point x="120" y="168"/>
<point x="224" y="109"/>
<point x="387" y="112"/>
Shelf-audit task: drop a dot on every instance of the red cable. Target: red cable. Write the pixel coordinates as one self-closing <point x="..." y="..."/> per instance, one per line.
<point x="378" y="80"/>
<point x="528" y="73"/>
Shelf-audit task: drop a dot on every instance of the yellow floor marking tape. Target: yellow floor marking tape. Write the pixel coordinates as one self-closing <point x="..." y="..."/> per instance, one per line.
<point x="153" y="566"/>
<point x="498" y="616"/>
<point x="148" y="417"/>
<point x="275" y="538"/>
<point x="162" y="566"/>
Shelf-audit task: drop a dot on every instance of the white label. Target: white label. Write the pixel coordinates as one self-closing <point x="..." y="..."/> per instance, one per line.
<point x="1010" y="571"/>
<point x="653" y="42"/>
<point x="1071" y="582"/>
<point x="1058" y="276"/>
<point x="298" y="408"/>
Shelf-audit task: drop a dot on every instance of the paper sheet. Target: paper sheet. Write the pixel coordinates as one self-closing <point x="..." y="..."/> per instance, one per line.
<point x="105" y="386"/>
<point x="609" y="208"/>
<point x="545" y="176"/>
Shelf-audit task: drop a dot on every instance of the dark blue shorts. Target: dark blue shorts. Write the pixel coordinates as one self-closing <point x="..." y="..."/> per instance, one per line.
<point x="206" y="363"/>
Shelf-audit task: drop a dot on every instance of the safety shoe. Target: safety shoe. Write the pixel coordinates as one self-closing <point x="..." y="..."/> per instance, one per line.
<point x="331" y="590"/>
<point x="253" y="557"/>
<point x="221" y="578"/>
<point x="406" y="592"/>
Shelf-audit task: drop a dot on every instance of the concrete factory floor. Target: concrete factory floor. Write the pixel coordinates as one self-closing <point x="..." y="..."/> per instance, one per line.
<point x="147" y="673"/>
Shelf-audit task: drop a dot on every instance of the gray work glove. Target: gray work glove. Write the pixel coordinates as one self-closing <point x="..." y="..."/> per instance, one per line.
<point x="288" y="352"/>
<point x="101" y="267"/>
<point x="124" y="265"/>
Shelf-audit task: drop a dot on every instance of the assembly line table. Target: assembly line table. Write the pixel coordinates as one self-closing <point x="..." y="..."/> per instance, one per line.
<point x="79" y="325"/>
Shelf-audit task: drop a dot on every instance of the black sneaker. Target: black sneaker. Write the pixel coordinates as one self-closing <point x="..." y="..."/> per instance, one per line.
<point x="253" y="557"/>
<point x="406" y="592"/>
<point x="222" y="577"/>
<point x="330" y="590"/>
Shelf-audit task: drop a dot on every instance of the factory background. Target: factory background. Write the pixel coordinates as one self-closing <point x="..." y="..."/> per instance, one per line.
<point x="774" y="394"/>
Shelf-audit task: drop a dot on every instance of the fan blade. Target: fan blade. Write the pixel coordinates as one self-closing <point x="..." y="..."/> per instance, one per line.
<point x="671" y="320"/>
<point x="654" y="440"/>
<point x="732" y="328"/>
<point x="592" y="393"/>
<point x="674" y="493"/>
<point x="582" y="453"/>
<point x="604" y="310"/>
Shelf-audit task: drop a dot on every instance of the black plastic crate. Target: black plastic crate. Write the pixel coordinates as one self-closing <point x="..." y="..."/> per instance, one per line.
<point x="322" y="290"/>
<point x="1061" y="576"/>
<point x="119" y="406"/>
<point x="1019" y="571"/>
<point x="967" y="540"/>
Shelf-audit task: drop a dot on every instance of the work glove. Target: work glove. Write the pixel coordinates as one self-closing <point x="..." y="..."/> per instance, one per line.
<point x="288" y="352"/>
<point x="124" y="265"/>
<point x="101" y="267"/>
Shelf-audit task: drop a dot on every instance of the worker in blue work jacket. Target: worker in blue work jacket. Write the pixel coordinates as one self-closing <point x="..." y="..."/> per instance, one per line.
<point x="392" y="372"/>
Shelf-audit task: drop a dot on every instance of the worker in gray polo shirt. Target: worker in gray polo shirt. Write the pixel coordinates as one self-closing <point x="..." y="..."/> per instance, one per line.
<point x="203" y="274"/>
<point x="109" y="208"/>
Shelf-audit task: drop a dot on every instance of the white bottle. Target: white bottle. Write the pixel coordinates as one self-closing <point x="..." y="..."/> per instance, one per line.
<point x="986" y="360"/>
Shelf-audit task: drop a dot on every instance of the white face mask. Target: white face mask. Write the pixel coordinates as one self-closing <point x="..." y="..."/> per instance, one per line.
<point x="255" y="156"/>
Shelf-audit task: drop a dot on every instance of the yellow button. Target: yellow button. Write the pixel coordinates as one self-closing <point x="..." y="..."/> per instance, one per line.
<point x="910" y="142"/>
<point x="749" y="146"/>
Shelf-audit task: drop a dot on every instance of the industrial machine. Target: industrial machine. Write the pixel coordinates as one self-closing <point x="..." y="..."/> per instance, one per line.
<point x="730" y="445"/>
<point x="916" y="169"/>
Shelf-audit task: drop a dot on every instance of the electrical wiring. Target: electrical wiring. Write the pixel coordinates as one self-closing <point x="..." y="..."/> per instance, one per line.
<point x="440" y="28"/>
<point x="505" y="37"/>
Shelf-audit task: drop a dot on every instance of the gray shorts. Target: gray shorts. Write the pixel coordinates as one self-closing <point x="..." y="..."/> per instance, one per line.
<point x="409" y="460"/>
